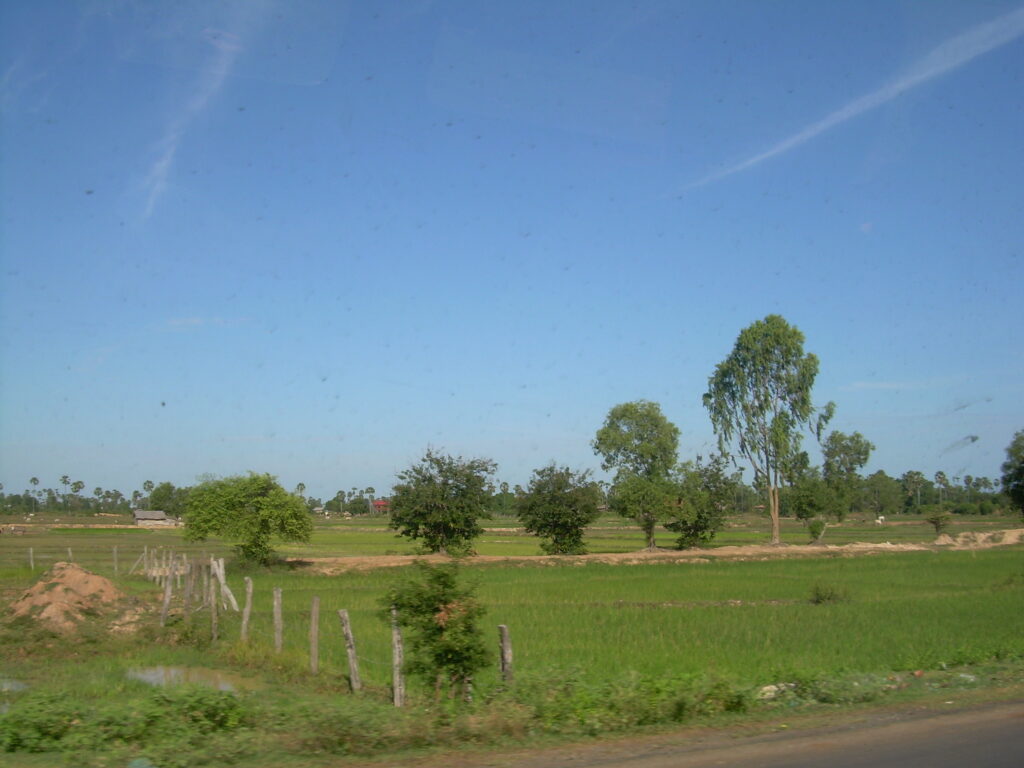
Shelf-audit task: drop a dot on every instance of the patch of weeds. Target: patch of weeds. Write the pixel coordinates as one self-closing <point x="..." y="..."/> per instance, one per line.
<point x="172" y="728"/>
<point x="828" y="593"/>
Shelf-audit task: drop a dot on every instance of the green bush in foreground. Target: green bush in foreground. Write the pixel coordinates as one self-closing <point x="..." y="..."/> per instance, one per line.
<point x="442" y="616"/>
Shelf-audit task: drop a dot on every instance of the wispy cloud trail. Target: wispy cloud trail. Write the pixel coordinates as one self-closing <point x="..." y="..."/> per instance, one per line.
<point x="226" y="48"/>
<point x="950" y="55"/>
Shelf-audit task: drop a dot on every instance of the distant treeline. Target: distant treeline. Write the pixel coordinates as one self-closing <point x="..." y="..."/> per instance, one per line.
<point x="875" y="494"/>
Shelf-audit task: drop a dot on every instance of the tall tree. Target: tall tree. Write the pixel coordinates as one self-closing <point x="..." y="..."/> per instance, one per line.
<point x="640" y="445"/>
<point x="759" y="398"/>
<point x="912" y="482"/>
<point x="1013" y="471"/>
<point x="942" y="483"/>
<point x="844" y="455"/>
<point x="441" y="500"/>
<point x="65" y="481"/>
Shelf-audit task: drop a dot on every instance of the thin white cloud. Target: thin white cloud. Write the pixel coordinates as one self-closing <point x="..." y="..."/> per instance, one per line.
<point x="226" y="48"/>
<point x="950" y="55"/>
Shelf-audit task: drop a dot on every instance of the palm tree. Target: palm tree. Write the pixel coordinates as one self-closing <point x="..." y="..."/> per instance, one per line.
<point x="65" y="481"/>
<point x="35" y="500"/>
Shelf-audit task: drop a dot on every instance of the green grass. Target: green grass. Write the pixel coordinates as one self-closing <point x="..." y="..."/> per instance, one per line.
<point x="591" y="641"/>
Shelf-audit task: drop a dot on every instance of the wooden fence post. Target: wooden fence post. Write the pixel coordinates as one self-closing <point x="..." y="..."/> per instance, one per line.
<point x="213" y="611"/>
<point x="350" y="649"/>
<point x="247" y="610"/>
<point x="278" y="621"/>
<point x="314" y="636"/>
<point x="505" y="644"/>
<point x="190" y="580"/>
<point x="71" y="559"/>
<point x="115" y="561"/>
<point x="31" y="560"/>
<point x="397" y="660"/>
<point x="167" y="602"/>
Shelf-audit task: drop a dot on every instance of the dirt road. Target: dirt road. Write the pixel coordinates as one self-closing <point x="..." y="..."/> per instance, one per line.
<point x="990" y="736"/>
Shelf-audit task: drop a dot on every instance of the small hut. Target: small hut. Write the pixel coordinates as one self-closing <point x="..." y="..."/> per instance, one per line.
<point x="151" y="518"/>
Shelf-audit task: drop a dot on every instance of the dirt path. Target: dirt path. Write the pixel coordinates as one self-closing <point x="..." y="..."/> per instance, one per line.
<point x="970" y="540"/>
<point x="986" y="736"/>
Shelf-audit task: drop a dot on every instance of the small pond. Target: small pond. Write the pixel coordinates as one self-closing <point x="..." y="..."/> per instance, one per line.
<point x="7" y="685"/>
<point x="214" y="678"/>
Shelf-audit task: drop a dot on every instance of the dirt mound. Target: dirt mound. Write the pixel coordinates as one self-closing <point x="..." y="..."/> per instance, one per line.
<point x="982" y="539"/>
<point x="65" y="595"/>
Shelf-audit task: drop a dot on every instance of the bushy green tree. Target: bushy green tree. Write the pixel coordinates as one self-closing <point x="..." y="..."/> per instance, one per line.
<point x="558" y="505"/>
<point x="883" y="494"/>
<point x="640" y="445"/>
<point x="251" y="510"/>
<point x="759" y="398"/>
<point x="1013" y="472"/>
<point x="442" y="617"/>
<point x="844" y="455"/>
<point x="811" y="499"/>
<point x="705" y="491"/>
<point x="441" y="499"/>
<point x="167" y="498"/>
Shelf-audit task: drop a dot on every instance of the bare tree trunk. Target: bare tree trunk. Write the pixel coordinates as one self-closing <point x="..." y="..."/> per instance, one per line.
<point x="773" y="511"/>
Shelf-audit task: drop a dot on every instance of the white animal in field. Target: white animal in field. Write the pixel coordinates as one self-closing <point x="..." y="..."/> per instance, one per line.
<point x="880" y="520"/>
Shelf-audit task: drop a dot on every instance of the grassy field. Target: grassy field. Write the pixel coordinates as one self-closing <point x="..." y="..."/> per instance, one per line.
<point x="584" y="636"/>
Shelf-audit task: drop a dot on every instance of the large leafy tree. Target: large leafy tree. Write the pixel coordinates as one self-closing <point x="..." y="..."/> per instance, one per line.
<point x="1013" y="471"/>
<point x="252" y="510"/>
<point x="441" y="500"/>
<point x="912" y="482"/>
<point x="844" y="455"/>
<point x="558" y="505"/>
<point x="705" y="490"/>
<point x="759" y="399"/>
<point x="167" y="498"/>
<point x="640" y="445"/>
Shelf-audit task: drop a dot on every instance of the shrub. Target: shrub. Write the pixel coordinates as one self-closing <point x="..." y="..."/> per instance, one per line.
<point x="447" y="645"/>
<point x="828" y="593"/>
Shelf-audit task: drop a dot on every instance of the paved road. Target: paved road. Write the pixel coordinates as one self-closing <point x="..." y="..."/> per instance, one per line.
<point x="989" y="737"/>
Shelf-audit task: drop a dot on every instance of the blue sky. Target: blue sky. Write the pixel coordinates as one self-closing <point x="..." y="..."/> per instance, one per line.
<point x="314" y="238"/>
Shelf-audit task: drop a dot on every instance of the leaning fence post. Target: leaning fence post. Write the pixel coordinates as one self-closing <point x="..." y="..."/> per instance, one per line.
<point x="278" y="621"/>
<point x="247" y="610"/>
<point x="141" y="557"/>
<point x="167" y="602"/>
<point x="350" y="649"/>
<point x="314" y="636"/>
<point x="398" y="681"/>
<point x="505" y="644"/>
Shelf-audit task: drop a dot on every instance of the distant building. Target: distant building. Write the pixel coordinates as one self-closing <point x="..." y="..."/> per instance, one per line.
<point x="382" y="506"/>
<point x="152" y="518"/>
